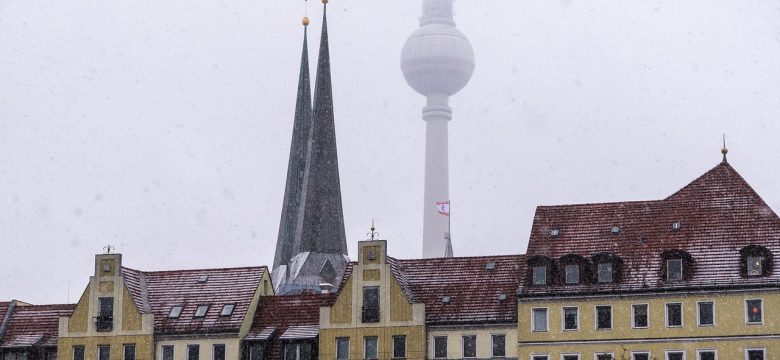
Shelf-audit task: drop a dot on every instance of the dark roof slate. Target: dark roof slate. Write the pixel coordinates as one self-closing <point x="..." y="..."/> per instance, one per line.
<point x="157" y="291"/>
<point x="719" y="214"/>
<point x="34" y="325"/>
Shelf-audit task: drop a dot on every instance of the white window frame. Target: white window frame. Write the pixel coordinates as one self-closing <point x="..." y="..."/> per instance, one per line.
<point x="563" y="318"/>
<point x="463" y="346"/>
<point x="698" y="314"/>
<point x="546" y="319"/>
<point x="348" y="345"/>
<point x="753" y="349"/>
<point x="699" y="351"/>
<point x="760" y="267"/>
<point x="214" y="350"/>
<point x="596" y="317"/>
<point x="365" y="342"/>
<point x="682" y="270"/>
<point x="570" y="354"/>
<point x="597" y="353"/>
<point x="748" y="309"/>
<point x="682" y="315"/>
<point x="491" y="345"/>
<point x="162" y="351"/>
<point x="611" y="272"/>
<point x="647" y="305"/>
<point x="446" y="344"/>
<point x="547" y="356"/>
<point x="642" y="352"/>
<point x="533" y="275"/>
<point x="566" y="274"/>
<point x="666" y="353"/>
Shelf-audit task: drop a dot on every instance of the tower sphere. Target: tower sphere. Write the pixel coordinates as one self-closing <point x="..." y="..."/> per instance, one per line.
<point x="437" y="58"/>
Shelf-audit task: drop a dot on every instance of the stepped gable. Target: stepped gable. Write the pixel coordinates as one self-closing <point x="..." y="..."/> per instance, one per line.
<point x="719" y="214"/>
<point x="34" y="325"/>
<point x="293" y="315"/>
<point x="157" y="291"/>
<point x="474" y="290"/>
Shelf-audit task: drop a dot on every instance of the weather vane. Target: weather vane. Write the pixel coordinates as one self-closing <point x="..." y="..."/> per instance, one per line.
<point x="109" y="248"/>
<point x="373" y="235"/>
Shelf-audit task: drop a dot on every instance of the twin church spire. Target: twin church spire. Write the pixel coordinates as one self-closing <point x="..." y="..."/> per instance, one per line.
<point x="311" y="248"/>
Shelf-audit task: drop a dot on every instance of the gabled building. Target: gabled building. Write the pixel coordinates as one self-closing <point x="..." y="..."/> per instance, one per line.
<point x="184" y="314"/>
<point x="429" y="308"/>
<point x="687" y="277"/>
<point x="30" y="332"/>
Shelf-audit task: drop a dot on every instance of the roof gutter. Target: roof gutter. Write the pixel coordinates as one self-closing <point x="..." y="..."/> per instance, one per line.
<point x="7" y="318"/>
<point x="652" y="292"/>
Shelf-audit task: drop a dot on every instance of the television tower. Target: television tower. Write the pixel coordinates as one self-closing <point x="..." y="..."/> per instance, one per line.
<point x="437" y="61"/>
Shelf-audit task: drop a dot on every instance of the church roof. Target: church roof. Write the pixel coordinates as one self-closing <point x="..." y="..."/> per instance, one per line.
<point x="718" y="215"/>
<point x="156" y="292"/>
<point x="34" y="325"/>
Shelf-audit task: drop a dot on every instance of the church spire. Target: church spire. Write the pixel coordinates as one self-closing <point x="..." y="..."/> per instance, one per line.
<point x="287" y="245"/>
<point x="322" y="226"/>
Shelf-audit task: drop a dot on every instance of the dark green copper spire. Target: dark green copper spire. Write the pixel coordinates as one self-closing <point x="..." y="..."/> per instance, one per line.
<point x="286" y="246"/>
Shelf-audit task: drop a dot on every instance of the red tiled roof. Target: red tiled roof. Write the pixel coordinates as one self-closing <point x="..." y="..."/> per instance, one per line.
<point x="719" y="215"/>
<point x="473" y="290"/>
<point x="283" y="311"/>
<point x="157" y="291"/>
<point x="34" y="325"/>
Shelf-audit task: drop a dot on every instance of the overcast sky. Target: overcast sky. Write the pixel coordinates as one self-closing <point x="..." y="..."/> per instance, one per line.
<point x="163" y="127"/>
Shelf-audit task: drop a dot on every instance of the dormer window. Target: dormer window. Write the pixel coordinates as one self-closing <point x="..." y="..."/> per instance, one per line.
<point x="540" y="275"/>
<point x="755" y="260"/>
<point x="674" y="269"/>
<point x="175" y="312"/>
<point x="605" y="273"/>
<point x="227" y="310"/>
<point x="575" y="269"/>
<point x="572" y="274"/>
<point x="201" y="311"/>
<point x="607" y="267"/>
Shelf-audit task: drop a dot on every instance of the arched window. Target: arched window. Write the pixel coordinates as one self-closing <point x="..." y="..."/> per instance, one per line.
<point x="574" y="269"/>
<point x="676" y="265"/>
<point x="540" y="270"/>
<point x="607" y="267"/>
<point x="755" y="260"/>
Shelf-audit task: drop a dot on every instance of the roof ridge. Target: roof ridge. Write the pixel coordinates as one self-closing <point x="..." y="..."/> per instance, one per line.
<point x="629" y="202"/>
<point x="702" y="176"/>
<point x="456" y="258"/>
<point x="261" y="267"/>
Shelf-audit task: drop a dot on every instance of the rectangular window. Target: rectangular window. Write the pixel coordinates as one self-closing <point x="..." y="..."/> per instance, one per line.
<point x="399" y="347"/>
<point x="255" y="352"/>
<point x="129" y="352"/>
<point x="105" y="318"/>
<point x="540" y="357"/>
<point x="175" y="312"/>
<point x="605" y="272"/>
<point x="706" y="313"/>
<point x="604" y="356"/>
<point x="470" y="346"/>
<point x="755" y="311"/>
<point x="755" y="354"/>
<point x="572" y="274"/>
<point x="755" y="265"/>
<point x="640" y="316"/>
<point x="499" y="345"/>
<point x="674" y="315"/>
<point x="201" y="311"/>
<point x="342" y="348"/>
<point x="227" y="310"/>
<point x="571" y="319"/>
<point x="219" y="352"/>
<point x="540" y="319"/>
<point x="540" y="275"/>
<point x="370" y="304"/>
<point x="674" y="269"/>
<point x="78" y="352"/>
<point x="440" y="347"/>
<point x="675" y="355"/>
<point x="706" y="355"/>
<point x="104" y="352"/>
<point x="193" y="352"/>
<point x="167" y="352"/>
<point x="570" y="357"/>
<point x="640" y="356"/>
<point x="603" y="317"/>
<point x="297" y="351"/>
<point x="370" y="347"/>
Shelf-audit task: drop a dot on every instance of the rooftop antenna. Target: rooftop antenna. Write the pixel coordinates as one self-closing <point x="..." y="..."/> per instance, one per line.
<point x="724" y="150"/>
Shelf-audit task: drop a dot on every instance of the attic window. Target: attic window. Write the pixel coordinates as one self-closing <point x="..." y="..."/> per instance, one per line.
<point x="676" y="226"/>
<point x="175" y="312"/>
<point x="203" y="278"/>
<point x="445" y="299"/>
<point x="490" y="266"/>
<point x="201" y="311"/>
<point x="501" y="297"/>
<point x="555" y="232"/>
<point x="371" y="255"/>
<point x="227" y="310"/>
<point x="615" y="230"/>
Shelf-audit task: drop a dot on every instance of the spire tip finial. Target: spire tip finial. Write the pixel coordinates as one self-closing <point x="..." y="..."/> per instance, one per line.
<point x="305" y="21"/>
<point x="724" y="150"/>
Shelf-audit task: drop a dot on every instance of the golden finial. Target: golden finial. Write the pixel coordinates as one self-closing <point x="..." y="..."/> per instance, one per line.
<point x="724" y="150"/>
<point x="305" y="21"/>
<point x="325" y="2"/>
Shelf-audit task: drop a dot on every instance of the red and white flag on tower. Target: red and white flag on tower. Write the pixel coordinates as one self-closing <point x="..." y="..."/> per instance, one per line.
<point x="443" y="208"/>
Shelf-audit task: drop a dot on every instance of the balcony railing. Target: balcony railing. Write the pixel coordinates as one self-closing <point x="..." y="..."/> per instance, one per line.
<point x="370" y="314"/>
<point x="104" y="323"/>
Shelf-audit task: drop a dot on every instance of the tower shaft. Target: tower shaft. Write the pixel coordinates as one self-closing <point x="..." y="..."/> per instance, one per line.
<point x="436" y="115"/>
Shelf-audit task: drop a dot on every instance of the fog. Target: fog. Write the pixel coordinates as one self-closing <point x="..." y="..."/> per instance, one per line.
<point x="163" y="128"/>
